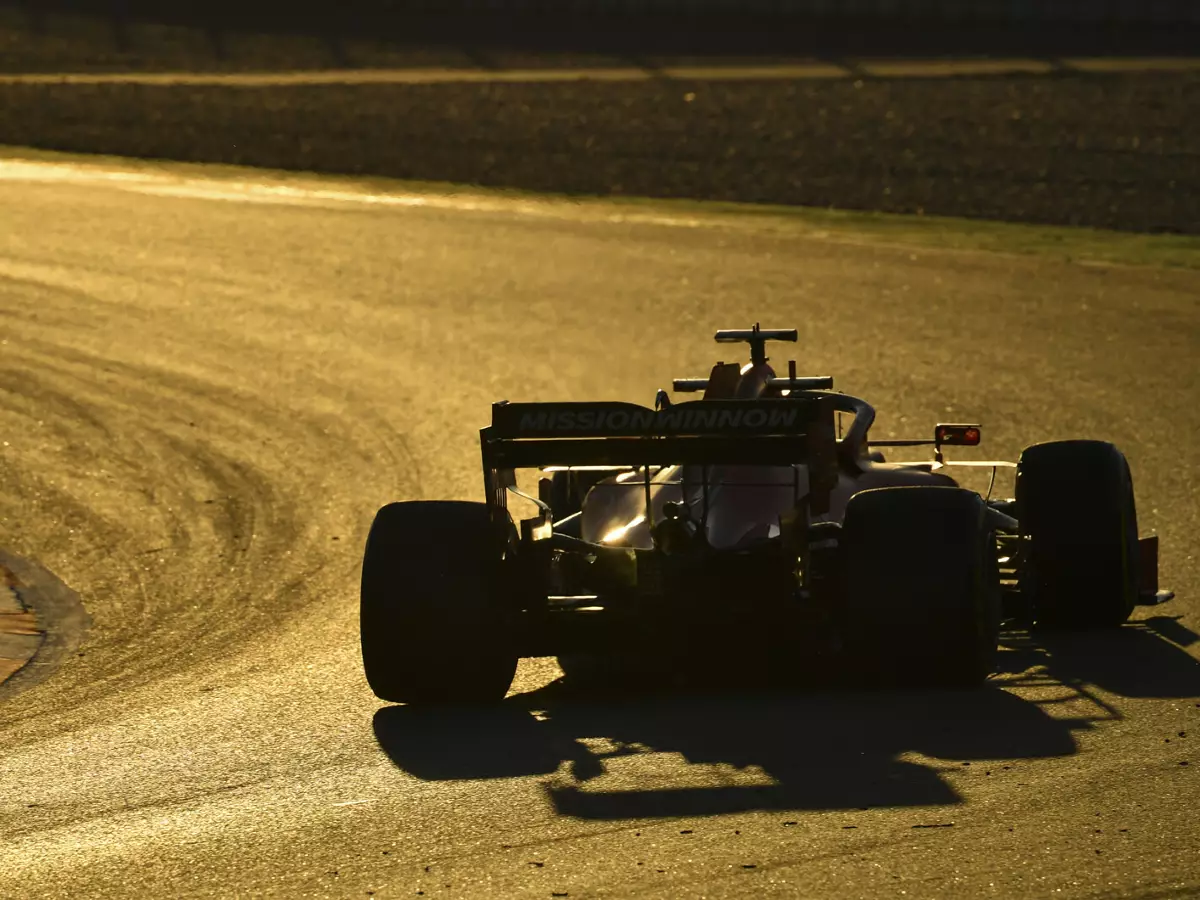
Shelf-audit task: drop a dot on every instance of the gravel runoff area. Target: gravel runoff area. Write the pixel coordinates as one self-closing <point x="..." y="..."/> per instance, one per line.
<point x="1113" y="151"/>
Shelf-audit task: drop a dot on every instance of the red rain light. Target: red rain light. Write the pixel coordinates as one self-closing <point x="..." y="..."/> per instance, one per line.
<point x="958" y="435"/>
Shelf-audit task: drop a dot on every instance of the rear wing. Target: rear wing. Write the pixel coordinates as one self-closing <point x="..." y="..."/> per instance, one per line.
<point x="781" y="431"/>
<point x="778" y="432"/>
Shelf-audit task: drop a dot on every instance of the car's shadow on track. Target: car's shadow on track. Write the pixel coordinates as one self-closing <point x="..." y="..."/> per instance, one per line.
<point x="809" y="749"/>
<point x="1145" y="659"/>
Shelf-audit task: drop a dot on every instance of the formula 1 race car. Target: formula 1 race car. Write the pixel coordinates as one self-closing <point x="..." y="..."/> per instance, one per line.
<point x="742" y="522"/>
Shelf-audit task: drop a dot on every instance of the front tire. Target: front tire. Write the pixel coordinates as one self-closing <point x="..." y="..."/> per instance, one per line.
<point x="1078" y="520"/>
<point x="434" y="625"/>
<point x="921" y="602"/>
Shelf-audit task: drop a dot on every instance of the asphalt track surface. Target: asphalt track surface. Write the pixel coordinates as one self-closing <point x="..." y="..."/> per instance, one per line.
<point x="205" y="394"/>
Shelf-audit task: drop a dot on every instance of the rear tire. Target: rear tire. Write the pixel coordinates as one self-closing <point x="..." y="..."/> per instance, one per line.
<point x="1078" y="518"/>
<point x="434" y="626"/>
<point x="921" y="584"/>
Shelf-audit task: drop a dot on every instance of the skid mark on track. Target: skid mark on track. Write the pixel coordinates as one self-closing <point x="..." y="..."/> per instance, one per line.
<point x="188" y="497"/>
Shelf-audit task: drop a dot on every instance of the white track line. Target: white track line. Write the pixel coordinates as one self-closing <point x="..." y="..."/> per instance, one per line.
<point x="929" y="68"/>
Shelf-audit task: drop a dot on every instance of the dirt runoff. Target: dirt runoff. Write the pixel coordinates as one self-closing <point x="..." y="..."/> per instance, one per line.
<point x="1113" y="151"/>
